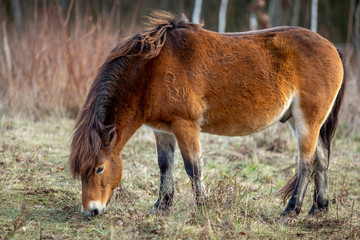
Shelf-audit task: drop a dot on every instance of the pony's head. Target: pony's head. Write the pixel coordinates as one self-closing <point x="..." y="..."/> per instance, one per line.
<point x="98" y="186"/>
<point x="93" y="160"/>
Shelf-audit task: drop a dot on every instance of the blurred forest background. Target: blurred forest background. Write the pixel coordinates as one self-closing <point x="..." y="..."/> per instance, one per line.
<point x="50" y="50"/>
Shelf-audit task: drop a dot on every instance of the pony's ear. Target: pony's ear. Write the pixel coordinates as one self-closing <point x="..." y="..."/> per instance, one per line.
<point x="109" y="138"/>
<point x="112" y="137"/>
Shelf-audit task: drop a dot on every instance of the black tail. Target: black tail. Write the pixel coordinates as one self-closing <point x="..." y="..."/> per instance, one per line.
<point x="327" y="130"/>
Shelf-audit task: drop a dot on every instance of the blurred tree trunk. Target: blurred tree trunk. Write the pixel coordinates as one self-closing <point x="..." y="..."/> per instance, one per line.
<point x="349" y="38"/>
<point x="253" y="23"/>
<point x="197" y="11"/>
<point x="16" y="7"/>
<point x="6" y="46"/>
<point x="295" y="13"/>
<point x="314" y="15"/>
<point x="306" y="22"/>
<point x="118" y="14"/>
<point x="259" y="19"/>
<point x="181" y="6"/>
<point x="222" y="16"/>
<point x="357" y="42"/>
<point x="164" y="4"/>
<point x="357" y="33"/>
<point x="276" y="12"/>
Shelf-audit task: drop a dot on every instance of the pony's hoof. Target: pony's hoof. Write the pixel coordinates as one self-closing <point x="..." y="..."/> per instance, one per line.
<point x="283" y="219"/>
<point x="317" y="211"/>
<point x="286" y="217"/>
<point x="157" y="211"/>
<point x="159" y="207"/>
<point x="152" y="211"/>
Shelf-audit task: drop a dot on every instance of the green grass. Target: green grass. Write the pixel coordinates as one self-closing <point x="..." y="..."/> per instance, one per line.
<point x="40" y="200"/>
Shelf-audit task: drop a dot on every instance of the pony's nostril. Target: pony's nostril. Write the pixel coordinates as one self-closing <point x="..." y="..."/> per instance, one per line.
<point x="94" y="212"/>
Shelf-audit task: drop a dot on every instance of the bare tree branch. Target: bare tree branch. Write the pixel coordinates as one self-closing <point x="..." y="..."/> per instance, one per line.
<point x="197" y="11"/>
<point x="314" y="15"/>
<point x="222" y="16"/>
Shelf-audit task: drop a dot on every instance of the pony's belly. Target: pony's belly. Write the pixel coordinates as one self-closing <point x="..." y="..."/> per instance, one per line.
<point x="228" y="128"/>
<point x="240" y="122"/>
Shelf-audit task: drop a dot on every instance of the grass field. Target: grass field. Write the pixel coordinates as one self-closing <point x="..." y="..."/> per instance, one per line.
<point x="40" y="200"/>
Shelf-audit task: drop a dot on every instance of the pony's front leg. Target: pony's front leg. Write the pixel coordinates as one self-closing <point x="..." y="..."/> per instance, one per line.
<point x="187" y="135"/>
<point x="165" y="144"/>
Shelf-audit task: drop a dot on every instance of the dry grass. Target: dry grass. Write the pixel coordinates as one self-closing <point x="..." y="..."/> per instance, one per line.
<point x="48" y="67"/>
<point x="52" y="64"/>
<point x="243" y="175"/>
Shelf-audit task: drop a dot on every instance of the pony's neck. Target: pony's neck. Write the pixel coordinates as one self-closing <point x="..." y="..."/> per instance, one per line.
<point x="115" y="92"/>
<point x="120" y="97"/>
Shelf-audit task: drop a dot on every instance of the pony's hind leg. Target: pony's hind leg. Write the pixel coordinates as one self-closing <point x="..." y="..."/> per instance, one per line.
<point x="165" y="144"/>
<point x="307" y="140"/>
<point x="321" y="201"/>
<point x="187" y="135"/>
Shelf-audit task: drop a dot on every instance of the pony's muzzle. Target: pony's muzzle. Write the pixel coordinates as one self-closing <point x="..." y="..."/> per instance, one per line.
<point x="93" y="209"/>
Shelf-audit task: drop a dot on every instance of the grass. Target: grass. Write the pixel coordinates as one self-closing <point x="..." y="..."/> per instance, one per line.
<point x="39" y="199"/>
<point x="47" y="67"/>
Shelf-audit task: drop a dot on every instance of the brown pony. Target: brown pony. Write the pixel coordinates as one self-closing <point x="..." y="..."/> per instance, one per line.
<point x="181" y="79"/>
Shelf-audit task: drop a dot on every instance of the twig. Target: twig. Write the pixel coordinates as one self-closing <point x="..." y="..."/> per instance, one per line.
<point x="232" y="177"/>
<point x="33" y="154"/>
<point x="6" y="47"/>
<point x="352" y="212"/>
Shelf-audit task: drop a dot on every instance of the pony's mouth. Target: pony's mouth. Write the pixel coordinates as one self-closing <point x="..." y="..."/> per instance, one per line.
<point x="94" y="209"/>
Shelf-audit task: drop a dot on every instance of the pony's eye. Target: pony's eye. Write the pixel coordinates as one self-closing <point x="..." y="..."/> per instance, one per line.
<point x="99" y="170"/>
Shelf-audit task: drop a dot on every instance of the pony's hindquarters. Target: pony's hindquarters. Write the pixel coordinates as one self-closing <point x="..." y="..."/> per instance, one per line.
<point x="314" y="122"/>
<point x="327" y="131"/>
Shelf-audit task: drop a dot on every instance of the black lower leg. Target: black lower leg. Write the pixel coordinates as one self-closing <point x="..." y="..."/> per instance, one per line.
<point x="165" y="148"/>
<point x="295" y="202"/>
<point x="194" y="173"/>
<point x="321" y="202"/>
<point x="165" y="197"/>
